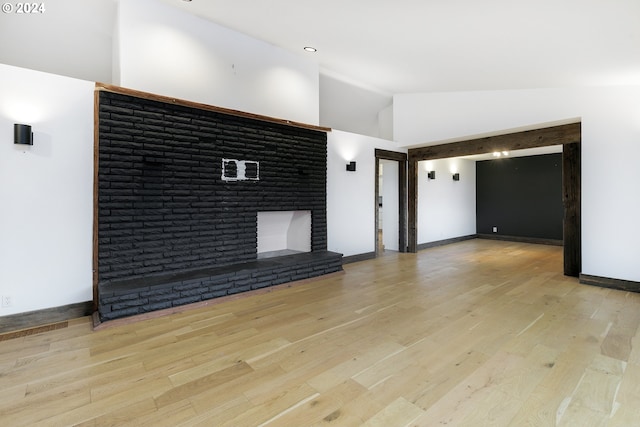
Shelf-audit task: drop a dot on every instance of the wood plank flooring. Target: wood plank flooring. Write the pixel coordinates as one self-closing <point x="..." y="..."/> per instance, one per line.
<point x="477" y="333"/>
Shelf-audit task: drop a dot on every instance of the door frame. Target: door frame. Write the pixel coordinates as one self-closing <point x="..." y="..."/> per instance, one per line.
<point x="567" y="135"/>
<point x="401" y="158"/>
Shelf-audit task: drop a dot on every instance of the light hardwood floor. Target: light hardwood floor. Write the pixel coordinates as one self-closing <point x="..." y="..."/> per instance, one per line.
<point x="477" y="333"/>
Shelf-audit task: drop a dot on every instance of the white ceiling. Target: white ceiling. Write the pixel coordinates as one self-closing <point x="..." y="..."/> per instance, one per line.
<point x="406" y="46"/>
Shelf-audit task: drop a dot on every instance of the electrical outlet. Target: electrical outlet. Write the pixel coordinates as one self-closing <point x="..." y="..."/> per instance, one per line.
<point x="495" y="229"/>
<point x="7" y="301"/>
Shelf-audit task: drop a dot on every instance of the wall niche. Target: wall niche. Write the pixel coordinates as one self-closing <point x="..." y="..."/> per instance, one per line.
<point x="178" y="190"/>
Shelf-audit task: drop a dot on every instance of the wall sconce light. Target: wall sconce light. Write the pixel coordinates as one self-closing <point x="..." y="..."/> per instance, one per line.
<point x="456" y="176"/>
<point x="431" y="175"/>
<point x="351" y="166"/>
<point x="22" y="134"/>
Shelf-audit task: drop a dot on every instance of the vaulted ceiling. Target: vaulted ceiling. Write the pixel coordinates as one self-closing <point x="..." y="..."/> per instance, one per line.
<point x="406" y="46"/>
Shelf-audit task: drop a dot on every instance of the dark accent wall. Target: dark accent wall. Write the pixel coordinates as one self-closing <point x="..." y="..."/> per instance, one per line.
<point x="163" y="207"/>
<point x="522" y="196"/>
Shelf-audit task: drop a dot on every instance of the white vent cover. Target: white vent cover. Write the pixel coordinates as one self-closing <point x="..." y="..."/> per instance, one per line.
<point x="240" y="170"/>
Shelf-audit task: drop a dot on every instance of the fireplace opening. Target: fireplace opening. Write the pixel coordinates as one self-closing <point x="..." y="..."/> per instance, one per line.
<point x="283" y="233"/>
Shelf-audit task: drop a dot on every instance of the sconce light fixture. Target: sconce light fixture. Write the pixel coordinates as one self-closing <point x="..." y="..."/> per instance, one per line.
<point x="431" y="175"/>
<point x="22" y="134"/>
<point x="456" y="176"/>
<point x="351" y="166"/>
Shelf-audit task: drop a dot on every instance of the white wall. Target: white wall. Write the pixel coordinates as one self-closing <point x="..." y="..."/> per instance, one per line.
<point x="446" y="208"/>
<point x="166" y="51"/>
<point x="350" y="195"/>
<point x="71" y="38"/>
<point x="433" y="118"/>
<point x="351" y="108"/>
<point x="46" y="190"/>
<point x="385" y="122"/>
<point x="610" y="149"/>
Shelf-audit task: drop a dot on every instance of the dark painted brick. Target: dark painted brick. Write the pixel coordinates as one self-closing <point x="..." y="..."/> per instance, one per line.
<point x="188" y="285"/>
<point x="211" y="295"/>
<point x="116" y="314"/>
<point x="120" y="298"/>
<point x="261" y="284"/>
<point x="193" y="292"/>
<point x="162" y="298"/>
<point x="220" y="287"/>
<point x="156" y="306"/>
<point x="163" y="207"/>
<point x="128" y="304"/>
<point x="239" y="289"/>
<point x="186" y="300"/>
<point x="153" y="292"/>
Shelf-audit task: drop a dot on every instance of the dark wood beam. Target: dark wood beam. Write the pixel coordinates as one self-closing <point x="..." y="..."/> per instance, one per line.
<point x="412" y="210"/>
<point x="569" y="135"/>
<point x="391" y="155"/>
<point x="376" y="184"/>
<point x="571" y="196"/>
<point x="556" y="135"/>
<point x="402" y="206"/>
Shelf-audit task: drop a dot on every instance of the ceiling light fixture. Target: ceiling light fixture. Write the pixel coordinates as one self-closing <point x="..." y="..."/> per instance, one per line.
<point x="310" y="49"/>
<point x="500" y="153"/>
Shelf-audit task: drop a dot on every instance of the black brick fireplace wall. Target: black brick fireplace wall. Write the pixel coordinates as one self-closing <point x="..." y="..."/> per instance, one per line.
<point x="163" y="207"/>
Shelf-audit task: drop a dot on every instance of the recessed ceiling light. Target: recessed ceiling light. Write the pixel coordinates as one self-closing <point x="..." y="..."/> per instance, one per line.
<point x="310" y="49"/>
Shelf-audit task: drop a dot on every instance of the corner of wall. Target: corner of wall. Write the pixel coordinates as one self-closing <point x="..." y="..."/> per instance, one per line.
<point x="385" y="122"/>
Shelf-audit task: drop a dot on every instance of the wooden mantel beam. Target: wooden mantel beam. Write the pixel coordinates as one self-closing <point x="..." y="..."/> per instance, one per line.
<point x="191" y="104"/>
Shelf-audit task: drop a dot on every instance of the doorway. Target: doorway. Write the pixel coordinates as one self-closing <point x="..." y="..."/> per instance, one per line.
<point x="388" y="207"/>
<point x="568" y="135"/>
<point x="390" y="202"/>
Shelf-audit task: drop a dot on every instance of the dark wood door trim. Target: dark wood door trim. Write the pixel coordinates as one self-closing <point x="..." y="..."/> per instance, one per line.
<point x="412" y="201"/>
<point x="401" y="158"/>
<point x="568" y="135"/>
<point x="571" y="200"/>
